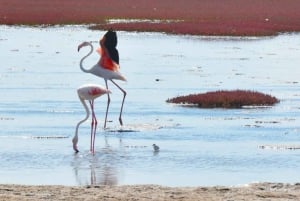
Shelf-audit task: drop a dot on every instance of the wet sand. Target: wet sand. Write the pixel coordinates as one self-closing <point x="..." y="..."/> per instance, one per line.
<point x="262" y="191"/>
<point x="205" y="17"/>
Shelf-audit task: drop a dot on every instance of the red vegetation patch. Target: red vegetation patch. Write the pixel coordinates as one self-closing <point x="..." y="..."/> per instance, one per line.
<point x="205" y="17"/>
<point x="226" y="99"/>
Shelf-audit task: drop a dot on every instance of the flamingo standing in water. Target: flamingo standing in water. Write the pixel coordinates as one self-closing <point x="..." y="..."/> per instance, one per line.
<point x="107" y="74"/>
<point x="89" y="92"/>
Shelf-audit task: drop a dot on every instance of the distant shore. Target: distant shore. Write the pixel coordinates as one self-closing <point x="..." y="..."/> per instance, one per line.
<point x="261" y="191"/>
<point x="204" y="17"/>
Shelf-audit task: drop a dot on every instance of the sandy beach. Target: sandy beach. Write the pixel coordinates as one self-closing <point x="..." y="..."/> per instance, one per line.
<point x="208" y="17"/>
<point x="262" y="191"/>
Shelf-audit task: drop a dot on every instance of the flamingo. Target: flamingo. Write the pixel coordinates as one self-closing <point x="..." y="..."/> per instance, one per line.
<point x="89" y="92"/>
<point x="106" y="74"/>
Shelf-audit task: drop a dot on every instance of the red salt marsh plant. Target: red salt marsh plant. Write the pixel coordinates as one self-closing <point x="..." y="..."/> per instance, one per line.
<point x="205" y="17"/>
<point x="226" y="99"/>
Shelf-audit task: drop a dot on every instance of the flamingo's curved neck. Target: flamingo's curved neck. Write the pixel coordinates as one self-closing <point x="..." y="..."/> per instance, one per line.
<point x="75" y="138"/>
<point x="83" y="58"/>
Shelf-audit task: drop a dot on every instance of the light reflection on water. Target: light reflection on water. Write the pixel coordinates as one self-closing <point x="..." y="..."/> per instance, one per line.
<point x="39" y="110"/>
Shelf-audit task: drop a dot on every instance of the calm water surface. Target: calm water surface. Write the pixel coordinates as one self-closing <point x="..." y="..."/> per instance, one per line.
<point x="39" y="110"/>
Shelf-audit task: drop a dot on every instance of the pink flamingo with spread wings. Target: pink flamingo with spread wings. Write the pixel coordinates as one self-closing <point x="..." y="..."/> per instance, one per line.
<point x="106" y="73"/>
<point x="89" y="92"/>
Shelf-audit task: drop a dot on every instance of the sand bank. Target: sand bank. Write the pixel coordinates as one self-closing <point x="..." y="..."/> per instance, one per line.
<point x="261" y="191"/>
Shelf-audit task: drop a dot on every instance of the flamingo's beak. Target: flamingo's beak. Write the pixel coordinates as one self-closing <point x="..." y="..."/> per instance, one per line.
<point x="79" y="47"/>
<point x="74" y="141"/>
<point x="83" y="44"/>
<point x="75" y="149"/>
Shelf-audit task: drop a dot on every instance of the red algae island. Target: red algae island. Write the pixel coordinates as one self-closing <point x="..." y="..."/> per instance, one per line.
<point x="226" y="99"/>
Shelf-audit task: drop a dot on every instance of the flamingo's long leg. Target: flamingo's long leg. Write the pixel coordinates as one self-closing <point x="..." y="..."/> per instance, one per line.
<point x="93" y="126"/>
<point x="95" y="129"/>
<point x="124" y="95"/>
<point x="108" y="102"/>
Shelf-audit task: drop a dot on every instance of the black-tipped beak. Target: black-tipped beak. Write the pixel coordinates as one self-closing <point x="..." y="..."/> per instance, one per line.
<point x="75" y="149"/>
<point x="79" y="47"/>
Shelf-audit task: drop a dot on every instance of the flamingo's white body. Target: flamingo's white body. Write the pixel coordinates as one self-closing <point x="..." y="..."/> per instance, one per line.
<point x="89" y="92"/>
<point x="106" y="74"/>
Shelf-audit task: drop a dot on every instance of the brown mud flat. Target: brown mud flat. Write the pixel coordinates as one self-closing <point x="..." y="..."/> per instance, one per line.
<point x="204" y="17"/>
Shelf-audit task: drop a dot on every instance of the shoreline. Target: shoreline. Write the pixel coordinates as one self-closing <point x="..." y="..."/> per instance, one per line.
<point x="205" y="17"/>
<point x="256" y="191"/>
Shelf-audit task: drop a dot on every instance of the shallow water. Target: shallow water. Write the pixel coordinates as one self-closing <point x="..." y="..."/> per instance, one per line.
<point x="39" y="110"/>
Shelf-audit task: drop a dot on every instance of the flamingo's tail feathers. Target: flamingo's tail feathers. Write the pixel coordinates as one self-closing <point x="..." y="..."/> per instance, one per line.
<point x="123" y="78"/>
